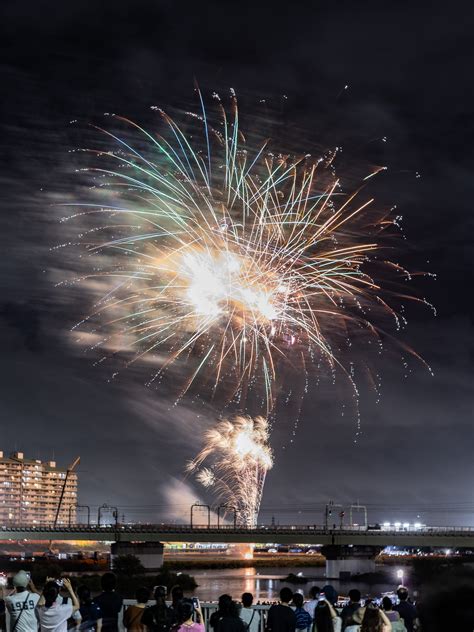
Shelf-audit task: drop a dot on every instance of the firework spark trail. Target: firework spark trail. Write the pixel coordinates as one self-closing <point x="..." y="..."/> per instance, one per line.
<point x="229" y="266"/>
<point x="250" y="259"/>
<point x="235" y="461"/>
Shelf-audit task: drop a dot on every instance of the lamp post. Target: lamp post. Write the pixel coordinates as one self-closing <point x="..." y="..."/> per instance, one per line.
<point x="400" y="575"/>
<point x="330" y="506"/>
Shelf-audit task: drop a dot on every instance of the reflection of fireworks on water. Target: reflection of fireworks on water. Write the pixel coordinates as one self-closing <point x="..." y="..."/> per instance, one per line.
<point x="227" y="261"/>
<point x="234" y="461"/>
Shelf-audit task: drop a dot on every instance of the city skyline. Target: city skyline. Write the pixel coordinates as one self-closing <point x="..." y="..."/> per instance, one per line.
<point x="406" y="106"/>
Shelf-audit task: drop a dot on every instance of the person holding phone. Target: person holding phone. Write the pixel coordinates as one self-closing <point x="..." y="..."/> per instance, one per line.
<point x="325" y="617"/>
<point x="21" y="604"/>
<point x="372" y="618"/>
<point x="185" y="612"/>
<point x="53" y="614"/>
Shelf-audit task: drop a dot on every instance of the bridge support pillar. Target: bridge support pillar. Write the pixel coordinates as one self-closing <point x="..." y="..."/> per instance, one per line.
<point x="345" y="561"/>
<point x="150" y="554"/>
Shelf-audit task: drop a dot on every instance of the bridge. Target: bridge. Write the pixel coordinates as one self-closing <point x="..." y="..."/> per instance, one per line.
<point x="450" y="537"/>
<point x="348" y="550"/>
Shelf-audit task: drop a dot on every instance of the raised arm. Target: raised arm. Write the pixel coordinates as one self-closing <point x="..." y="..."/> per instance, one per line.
<point x="200" y="618"/>
<point x="331" y="609"/>
<point x="75" y="601"/>
<point x="32" y="588"/>
<point x="386" y="621"/>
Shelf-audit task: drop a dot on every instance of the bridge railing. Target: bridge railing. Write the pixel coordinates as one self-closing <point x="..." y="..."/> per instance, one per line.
<point x="273" y="529"/>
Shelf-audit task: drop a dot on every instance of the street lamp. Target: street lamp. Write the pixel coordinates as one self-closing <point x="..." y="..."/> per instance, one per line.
<point x="400" y="575"/>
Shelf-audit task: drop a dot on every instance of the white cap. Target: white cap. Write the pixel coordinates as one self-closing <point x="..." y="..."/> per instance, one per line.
<point x="21" y="579"/>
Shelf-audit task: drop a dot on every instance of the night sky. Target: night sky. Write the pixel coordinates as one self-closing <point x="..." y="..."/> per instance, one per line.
<point x="409" y="72"/>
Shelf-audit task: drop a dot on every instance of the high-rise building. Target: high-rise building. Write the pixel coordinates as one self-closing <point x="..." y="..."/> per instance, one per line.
<point x="34" y="492"/>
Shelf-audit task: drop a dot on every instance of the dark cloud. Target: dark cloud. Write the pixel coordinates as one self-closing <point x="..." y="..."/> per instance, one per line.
<point x="409" y="70"/>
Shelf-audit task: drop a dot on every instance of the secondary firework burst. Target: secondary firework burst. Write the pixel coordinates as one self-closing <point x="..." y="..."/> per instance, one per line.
<point x="224" y="263"/>
<point x="234" y="462"/>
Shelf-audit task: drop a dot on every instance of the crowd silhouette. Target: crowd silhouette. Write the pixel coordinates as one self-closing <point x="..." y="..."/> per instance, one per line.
<point x="58" y="607"/>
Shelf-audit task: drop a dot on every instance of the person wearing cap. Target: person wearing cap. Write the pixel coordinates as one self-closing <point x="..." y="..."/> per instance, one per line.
<point x="21" y="604"/>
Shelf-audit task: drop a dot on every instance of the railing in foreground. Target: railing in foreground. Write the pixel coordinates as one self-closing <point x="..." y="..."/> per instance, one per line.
<point x="207" y="607"/>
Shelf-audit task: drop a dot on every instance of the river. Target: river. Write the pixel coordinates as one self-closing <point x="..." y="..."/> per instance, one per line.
<point x="265" y="583"/>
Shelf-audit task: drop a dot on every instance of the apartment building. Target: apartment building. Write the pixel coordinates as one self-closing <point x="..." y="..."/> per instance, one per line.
<point x="32" y="491"/>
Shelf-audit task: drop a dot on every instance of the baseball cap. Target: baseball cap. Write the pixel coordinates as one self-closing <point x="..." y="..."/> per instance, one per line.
<point x="21" y="579"/>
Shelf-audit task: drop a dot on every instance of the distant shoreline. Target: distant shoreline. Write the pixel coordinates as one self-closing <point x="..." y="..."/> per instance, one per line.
<point x="267" y="562"/>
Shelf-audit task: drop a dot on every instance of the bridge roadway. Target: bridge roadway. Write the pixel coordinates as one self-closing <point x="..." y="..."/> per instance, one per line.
<point x="312" y="534"/>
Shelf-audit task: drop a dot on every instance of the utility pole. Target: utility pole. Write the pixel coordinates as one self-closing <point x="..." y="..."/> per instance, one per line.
<point x="196" y="506"/>
<point x="328" y="513"/>
<point x="115" y="513"/>
<point x="358" y="508"/>
<point x="226" y="508"/>
<point x="76" y="507"/>
<point x="341" y="516"/>
<point x="330" y="506"/>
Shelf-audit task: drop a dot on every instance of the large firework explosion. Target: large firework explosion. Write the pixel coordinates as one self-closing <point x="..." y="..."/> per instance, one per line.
<point x="228" y="265"/>
<point x="228" y="262"/>
<point x="234" y="461"/>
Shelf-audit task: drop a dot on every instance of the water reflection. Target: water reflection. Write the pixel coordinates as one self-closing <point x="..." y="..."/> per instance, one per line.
<point x="249" y="584"/>
<point x="265" y="583"/>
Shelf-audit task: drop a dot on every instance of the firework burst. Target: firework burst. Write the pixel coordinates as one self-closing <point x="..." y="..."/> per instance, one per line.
<point x="237" y="457"/>
<point x="224" y="261"/>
